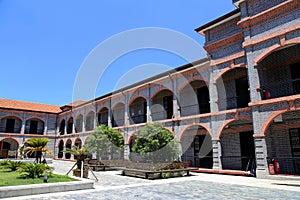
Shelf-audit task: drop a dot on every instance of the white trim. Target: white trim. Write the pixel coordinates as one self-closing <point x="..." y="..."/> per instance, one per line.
<point x="238" y="3"/>
<point x="219" y="23"/>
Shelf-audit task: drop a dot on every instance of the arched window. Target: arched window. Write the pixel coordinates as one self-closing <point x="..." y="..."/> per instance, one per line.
<point x="34" y="126"/>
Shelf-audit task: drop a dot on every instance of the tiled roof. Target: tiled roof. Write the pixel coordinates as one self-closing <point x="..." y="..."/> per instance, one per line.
<point x="76" y="103"/>
<point x="30" y="106"/>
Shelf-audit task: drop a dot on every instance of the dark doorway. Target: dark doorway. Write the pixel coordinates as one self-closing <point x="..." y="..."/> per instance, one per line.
<point x="70" y="126"/>
<point x="33" y="127"/>
<point x="62" y="127"/>
<point x="168" y="105"/>
<point x="68" y="146"/>
<point x="203" y="154"/>
<point x="138" y="111"/>
<point x="247" y="150"/>
<point x="10" y="125"/>
<point x="242" y="92"/>
<point x="60" y="149"/>
<point x="103" y="117"/>
<point x="203" y="100"/>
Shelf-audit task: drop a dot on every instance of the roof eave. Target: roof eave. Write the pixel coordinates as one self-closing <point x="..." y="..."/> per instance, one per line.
<point x="221" y="20"/>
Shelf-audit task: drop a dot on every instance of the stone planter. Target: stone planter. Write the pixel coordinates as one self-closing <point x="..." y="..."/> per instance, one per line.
<point x="155" y="174"/>
<point x="76" y="172"/>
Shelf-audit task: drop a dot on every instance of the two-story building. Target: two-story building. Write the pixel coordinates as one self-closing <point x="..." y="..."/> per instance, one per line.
<point x="236" y="109"/>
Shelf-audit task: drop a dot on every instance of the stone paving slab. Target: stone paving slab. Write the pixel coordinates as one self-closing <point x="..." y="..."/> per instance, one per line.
<point x="23" y="190"/>
<point x="176" y="189"/>
<point x="112" y="185"/>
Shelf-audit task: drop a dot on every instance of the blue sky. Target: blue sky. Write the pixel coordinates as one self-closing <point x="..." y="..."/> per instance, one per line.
<point x="44" y="43"/>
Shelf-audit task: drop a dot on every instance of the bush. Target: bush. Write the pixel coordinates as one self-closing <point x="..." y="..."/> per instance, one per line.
<point x="30" y="170"/>
<point x="12" y="165"/>
<point x="4" y="163"/>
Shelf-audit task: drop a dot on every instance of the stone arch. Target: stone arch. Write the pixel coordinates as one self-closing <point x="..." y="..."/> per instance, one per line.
<point x="70" y="124"/>
<point x="227" y="122"/>
<point x="132" y="99"/>
<point x="102" y="107"/>
<point x="194" y="98"/>
<point x="162" y="105"/>
<point x="60" y="147"/>
<point x="274" y="48"/>
<point x="102" y="115"/>
<point x="196" y="145"/>
<point x="10" y="138"/>
<point x="195" y="124"/>
<point x="13" y="116"/>
<point x="269" y="120"/>
<point x="188" y="81"/>
<point x="11" y="124"/>
<point x="68" y="145"/>
<point x="78" y="142"/>
<point x="34" y="125"/>
<point x="118" y="114"/>
<point x="226" y="70"/>
<point x="90" y="121"/>
<point x="9" y="147"/>
<point x="117" y="103"/>
<point x="79" y="123"/>
<point x="237" y="144"/>
<point x="62" y="126"/>
<point x="138" y="110"/>
<point x="162" y="88"/>
<point x="232" y="88"/>
<point x="278" y="72"/>
<point x="282" y="136"/>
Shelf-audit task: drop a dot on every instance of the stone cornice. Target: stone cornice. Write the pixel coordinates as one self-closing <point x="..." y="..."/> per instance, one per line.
<point x="268" y="14"/>
<point x="223" y="42"/>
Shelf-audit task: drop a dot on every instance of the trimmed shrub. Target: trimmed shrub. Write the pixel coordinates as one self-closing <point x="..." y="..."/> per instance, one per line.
<point x="30" y="170"/>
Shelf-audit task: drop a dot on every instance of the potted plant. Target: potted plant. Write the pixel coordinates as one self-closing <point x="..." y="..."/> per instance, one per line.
<point x="81" y="155"/>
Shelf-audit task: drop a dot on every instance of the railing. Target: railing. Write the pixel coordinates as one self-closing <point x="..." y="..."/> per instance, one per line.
<point x="195" y="109"/>
<point x="39" y="131"/>
<point x="233" y="102"/>
<point x="15" y="130"/>
<point x="118" y="122"/>
<point x="243" y="163"/>
<point x="137" y="119"/>
<point x="161" y="115"/>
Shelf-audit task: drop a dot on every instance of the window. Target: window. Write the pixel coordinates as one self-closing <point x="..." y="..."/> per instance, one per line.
<point x="10" y="125"/>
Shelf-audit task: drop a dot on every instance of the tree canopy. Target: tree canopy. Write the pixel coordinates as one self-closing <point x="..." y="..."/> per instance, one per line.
<point x="105" y="142"/>
<point x="156" y="143"/>
<point x="37" y="146"/>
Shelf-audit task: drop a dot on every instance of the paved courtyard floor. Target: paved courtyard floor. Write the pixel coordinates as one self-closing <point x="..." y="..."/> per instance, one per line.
<point x="112" y="185"/>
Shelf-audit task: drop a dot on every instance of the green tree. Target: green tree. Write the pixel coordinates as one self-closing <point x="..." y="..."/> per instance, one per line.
<point x="37" y="146"/>
<point x="156" y="143"/>
<point x="105" y="141"/>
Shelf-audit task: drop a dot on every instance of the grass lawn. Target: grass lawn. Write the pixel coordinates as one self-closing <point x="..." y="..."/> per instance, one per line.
<point x="9" y="178"/>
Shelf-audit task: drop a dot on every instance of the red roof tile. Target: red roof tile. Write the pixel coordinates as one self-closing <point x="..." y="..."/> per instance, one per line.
<point x="30" y="106"/>
<point x="76" y="103"/>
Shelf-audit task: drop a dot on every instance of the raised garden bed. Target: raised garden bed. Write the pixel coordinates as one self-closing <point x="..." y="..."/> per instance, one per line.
<point x="98" y="166"/>
<point x="142" y="169"/>
<point x="155" y="174"/>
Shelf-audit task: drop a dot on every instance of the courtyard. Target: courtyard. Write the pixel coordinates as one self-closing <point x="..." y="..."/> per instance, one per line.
<point x="112" y="185"/>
